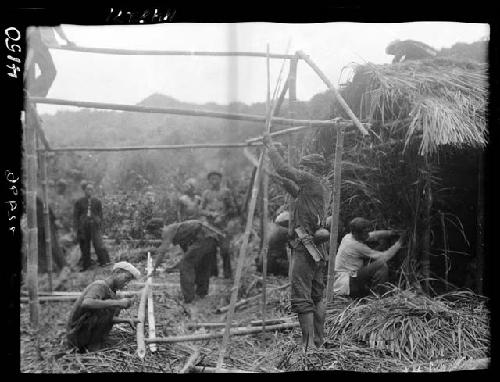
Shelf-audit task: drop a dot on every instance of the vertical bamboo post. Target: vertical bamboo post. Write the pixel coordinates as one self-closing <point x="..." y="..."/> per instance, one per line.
<point x="480" y="225"/>
<point x="32" y="248"/>
<point x="243" y="248"/>
<point x="141" y="314"/>
<point x="334" y="225"/>
<point x="292" y="98"/>
<point x="426" y="239"/>
<point x="46" y="219"/>
<point x="151" y="312"/>
<point x="265" y="204"/>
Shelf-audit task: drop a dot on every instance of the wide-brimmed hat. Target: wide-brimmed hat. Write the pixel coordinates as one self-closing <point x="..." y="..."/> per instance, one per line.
<point x="214" y="172"/>
<point x="126" y="266"/>
<point x="315" y="161"/>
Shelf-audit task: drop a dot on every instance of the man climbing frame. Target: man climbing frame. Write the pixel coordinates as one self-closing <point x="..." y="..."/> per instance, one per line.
<point x="308" y="261"/>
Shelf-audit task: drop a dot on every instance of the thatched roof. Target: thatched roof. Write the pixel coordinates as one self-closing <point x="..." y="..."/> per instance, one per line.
<point x="439" y="101"/>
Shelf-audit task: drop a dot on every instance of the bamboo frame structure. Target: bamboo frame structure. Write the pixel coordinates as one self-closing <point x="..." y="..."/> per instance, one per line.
<point x="30" y="127"/>
<point x="334" y="225"/>
<point x="151" y="312"/>
<point x="46" y="219"/>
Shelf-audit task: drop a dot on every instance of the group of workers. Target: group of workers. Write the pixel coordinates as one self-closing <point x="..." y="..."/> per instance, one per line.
<point x="201" y="232"/>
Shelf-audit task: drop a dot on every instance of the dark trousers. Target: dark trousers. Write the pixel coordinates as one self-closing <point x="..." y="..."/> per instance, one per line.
<point x="40" y="86"/>
<point x="91" y="232"/>
<point x="306" y="281"/>
<point x="370" y="277"/>
<point x="195" y="268"/>
<point x="224" y="249"/>
<point x="91" y="329"/>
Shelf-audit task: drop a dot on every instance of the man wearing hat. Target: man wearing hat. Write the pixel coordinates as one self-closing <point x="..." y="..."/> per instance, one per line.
<point x="91" y="317"/>
<point x="87" y="223"/>
<point x="352" y="277"/>
<point x="217" y="207"/>
<point x="308" y="216"/>
<point x="199" y="242"/>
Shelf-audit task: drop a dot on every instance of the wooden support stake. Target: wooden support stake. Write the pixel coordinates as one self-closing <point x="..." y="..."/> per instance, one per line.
<point x="330" y="86"/>
<point x="151" y="312"/>
<point x="46" y="220"/>
<point x="334" y="225"/>
<point x="141" y="315"/>
<point x="32" y="247"/>
<point x="207" y="369"/>
<point x="191" y="361"/>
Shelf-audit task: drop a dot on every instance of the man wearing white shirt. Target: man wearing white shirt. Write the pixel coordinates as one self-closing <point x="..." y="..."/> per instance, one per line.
<point x="352" y="277"/>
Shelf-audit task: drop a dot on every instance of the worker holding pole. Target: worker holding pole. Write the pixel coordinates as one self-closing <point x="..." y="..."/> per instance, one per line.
<point x="308" y="219"/>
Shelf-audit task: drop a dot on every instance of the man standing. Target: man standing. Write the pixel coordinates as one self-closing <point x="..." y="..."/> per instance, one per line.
<point x="91" y="317"/>
<point x="199" y="242"/>
<point x="352" y="277"/>
<point x="308" y="262"/>
<point x="188" y="204"/>
<point x="217" y="207"/>
<point x="87" y="223"/>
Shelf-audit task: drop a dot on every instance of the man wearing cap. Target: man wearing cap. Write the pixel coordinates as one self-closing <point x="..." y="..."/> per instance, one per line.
<point x="217" y="207"/>
<point x="87" y="223"/>
<point x="308" y="261"/>
<point x="91" y="317"/>
<point x="352" y="277"/>
<point x="199" y="242"/>
<point x="188" y="204"/>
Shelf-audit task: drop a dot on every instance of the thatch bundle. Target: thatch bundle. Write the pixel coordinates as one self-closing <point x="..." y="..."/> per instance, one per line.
<point x="442" y="100"/>
<point x="415" y="327"/>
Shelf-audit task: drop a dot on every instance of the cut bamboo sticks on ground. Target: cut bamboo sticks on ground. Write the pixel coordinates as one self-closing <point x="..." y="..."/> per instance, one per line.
<point x="191" y="361"/>
<point x="243" y="302"/>
<point x="151" y="313"/>
<point x="206" y="369"/>
<point x="238" y="331"/>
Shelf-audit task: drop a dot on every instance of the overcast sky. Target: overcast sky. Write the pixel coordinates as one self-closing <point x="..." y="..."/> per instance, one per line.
<point x="129" y="79"/>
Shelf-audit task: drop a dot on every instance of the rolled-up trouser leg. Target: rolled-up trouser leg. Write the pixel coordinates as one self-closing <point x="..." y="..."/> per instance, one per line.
<point x="92" y="330"/>
<point x="369" y="277"/>
<point x="208" y="248"/>
<point x="306" y="281"/>
<point x="100" y="248"/>
<point x="226" y="258"/>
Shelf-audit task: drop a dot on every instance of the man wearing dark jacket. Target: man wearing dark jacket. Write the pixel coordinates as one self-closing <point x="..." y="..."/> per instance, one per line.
<point x="87" y="223"/>
<point x="308" y="262"/>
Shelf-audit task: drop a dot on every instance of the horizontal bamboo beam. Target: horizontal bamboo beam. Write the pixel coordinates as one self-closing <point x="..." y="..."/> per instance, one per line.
<point x="241" y="331"/>
<point x="135" y="52"/>
<point x="177" y="111"/>
<point x="207" y="369"/>
<point x="157" y="147"/>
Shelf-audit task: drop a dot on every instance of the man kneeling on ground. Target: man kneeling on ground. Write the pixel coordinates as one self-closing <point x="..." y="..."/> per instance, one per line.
<point x="199" y="241"/>
<point x="91" y="317"/>
<point x="352" y="277"/>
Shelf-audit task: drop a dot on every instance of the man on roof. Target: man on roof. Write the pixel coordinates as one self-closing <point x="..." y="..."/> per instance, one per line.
<point x="358" y="268"/>
<point x="91" y="317"/>
<point x="409" y="50"/>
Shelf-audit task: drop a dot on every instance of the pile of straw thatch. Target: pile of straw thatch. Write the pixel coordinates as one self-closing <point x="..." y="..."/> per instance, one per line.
<point x="443" y="101"/>
<point x="415" y="327"/>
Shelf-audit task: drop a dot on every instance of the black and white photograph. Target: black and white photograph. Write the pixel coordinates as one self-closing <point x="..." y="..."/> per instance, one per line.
<point x="248" y="197"/>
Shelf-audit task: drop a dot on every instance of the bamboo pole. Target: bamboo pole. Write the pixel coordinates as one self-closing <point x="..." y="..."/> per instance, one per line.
<point x="191" y="361"/>
<point x="151" y="313"/>
<point x="480" y="225"/>
<point x="158" y="147"/>
<point x="248" y="300"/>
<point x="243" y="248"/>
<point x="207" y="369"/>
<point x="141" y="314"/>
<point x="330" y="86"/>
<point x="32" y="247"/>
<point x="238" y="331"/>
<point x="177" y="111"/>
<point x="265" y="202"/>
<point x="334" y="225"/>
<point x="46" y="219"/>
<point x="38" y="125"/>
<point x="134" y="52"/>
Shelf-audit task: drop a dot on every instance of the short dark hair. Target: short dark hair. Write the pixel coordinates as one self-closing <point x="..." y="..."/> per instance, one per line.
<point x="358" y="225"/>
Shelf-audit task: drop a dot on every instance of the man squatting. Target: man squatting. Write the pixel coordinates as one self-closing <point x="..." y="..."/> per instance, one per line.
<point x="308" y="215"/>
